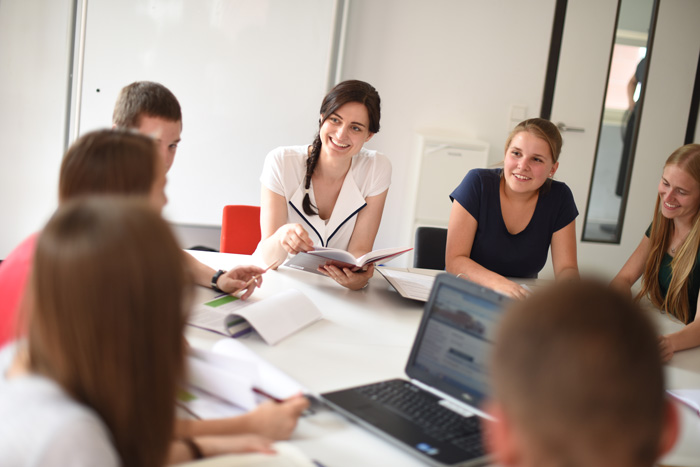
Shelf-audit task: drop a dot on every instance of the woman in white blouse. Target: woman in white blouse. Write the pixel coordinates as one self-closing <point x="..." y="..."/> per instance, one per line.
<point x="332" y="192"/>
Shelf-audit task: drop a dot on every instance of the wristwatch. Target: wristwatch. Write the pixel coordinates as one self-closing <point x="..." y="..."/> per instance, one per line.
<point x="215" y="279"/>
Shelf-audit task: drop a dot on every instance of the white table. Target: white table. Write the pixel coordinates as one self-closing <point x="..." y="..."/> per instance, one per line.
<point x="366" y="336"/>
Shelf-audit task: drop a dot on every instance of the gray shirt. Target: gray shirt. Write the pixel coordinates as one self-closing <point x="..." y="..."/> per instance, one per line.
<point x="40" y="425"/>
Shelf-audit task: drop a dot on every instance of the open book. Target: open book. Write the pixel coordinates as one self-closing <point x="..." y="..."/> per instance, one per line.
<point x="274" y="318"/>
<point x="231" y="379"/>
<point x="412" y="283"/>
<point x="310" y="261"/>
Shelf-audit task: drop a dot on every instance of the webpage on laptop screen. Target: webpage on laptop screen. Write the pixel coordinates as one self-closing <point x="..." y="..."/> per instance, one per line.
<point x="457" y="340"/>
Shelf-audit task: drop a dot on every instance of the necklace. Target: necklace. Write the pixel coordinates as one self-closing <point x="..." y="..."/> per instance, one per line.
<point x="673" y="248"/>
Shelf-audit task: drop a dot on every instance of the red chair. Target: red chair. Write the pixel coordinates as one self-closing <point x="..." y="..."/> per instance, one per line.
<point x="240" y="229"/>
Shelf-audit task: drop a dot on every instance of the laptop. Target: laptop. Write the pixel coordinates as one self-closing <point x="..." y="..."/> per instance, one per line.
<point x="436" y="414"/>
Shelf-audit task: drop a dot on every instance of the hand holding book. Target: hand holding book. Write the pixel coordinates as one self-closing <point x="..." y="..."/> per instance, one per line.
<point x="352" y="278"/>
<point x="311" y="261"/>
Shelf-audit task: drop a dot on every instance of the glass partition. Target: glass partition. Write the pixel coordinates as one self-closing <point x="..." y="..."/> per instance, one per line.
<point x="619" y="122"/>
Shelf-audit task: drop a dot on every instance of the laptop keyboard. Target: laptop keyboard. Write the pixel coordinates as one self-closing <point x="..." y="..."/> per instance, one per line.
<point x="421" y="408"/>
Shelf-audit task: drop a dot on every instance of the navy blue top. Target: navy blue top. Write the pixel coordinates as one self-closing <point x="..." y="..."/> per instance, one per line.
<point x="523" y="254"/>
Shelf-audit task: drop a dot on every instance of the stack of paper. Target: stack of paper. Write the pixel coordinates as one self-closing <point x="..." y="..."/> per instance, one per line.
<point x="230" y="379"/>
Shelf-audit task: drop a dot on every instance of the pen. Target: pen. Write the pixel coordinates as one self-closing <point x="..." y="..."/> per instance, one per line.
<point x="254" y="278"/>
<point x="308" y="411"/>
<point x="269" y="396"/>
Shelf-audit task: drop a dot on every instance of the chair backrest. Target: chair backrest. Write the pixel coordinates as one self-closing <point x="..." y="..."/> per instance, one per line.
<point x="429" y="248"/>
<point x="240" y="229"/>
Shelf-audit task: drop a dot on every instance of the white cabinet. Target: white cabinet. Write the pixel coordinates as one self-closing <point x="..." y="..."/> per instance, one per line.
<point x="443" y="165"/>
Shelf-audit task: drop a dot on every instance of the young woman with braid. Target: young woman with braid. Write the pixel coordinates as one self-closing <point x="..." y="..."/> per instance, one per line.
<point x="668" y="257"/>
<point x="332" y="192"/>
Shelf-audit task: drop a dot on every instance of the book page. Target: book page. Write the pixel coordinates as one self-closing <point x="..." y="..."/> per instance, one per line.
<point x="387" y="254"/>
<point x="274" y="318"/>
<point x="689" y="397"/>
<point x="281" y="315"/>
<point x="408" y="284"/>
<point x="223" y="382"/>
<point x="272" y="380"/>
<point x="287" y="455"/>
<point x="214" y="314"/>
<point x="198" y="404"/>
<point x="311" y="260"/>
<point x="334" y="254"/>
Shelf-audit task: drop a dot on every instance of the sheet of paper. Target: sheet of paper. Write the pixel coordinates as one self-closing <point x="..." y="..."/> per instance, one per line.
<point x="223" y="383"/>
<point x="409" y="284"/>
<point x="281" y="315"/>
<point x="272" y="380"/>
<point x="243" y="368"/>
<point x="689" y="397"/>
<point x="287" y="455"/>
<point x="212" y="314"/>
<point x="199" y="404"/>
<point x="274" y="318"/>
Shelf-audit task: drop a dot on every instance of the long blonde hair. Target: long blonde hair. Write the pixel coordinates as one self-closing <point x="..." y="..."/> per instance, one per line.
<point x="676" y="301"/>
<point x="109" y="288"/>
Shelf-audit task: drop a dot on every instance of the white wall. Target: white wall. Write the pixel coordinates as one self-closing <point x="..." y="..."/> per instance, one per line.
<point x="34" y="46"/>
<point x="444" y="66"/>
<point x="249" y="75"/>
<point x="449" y="66"/>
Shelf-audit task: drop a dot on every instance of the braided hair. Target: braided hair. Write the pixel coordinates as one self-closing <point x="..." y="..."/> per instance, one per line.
<point x="341" y="94"/>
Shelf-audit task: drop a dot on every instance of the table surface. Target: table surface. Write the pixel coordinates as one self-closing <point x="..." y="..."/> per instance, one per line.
<point x="366" y="336"/>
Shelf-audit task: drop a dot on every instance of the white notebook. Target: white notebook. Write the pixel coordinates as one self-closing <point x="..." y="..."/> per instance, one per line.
<point x="274" y="318"/>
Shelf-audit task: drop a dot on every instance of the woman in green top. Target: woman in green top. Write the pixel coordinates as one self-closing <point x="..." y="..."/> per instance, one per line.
<point x="667" y="257"/>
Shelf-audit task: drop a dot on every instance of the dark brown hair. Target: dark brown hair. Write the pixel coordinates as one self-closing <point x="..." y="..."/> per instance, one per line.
<point x="108" y="161"/>
<point x="109" y="289"/>
<point x="145" y="98"/>
<point x="577" y="367"/>
<point x="341" y="94"/>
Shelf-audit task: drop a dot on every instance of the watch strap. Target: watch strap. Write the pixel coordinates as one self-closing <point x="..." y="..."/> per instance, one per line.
<point x="215" y="279"/>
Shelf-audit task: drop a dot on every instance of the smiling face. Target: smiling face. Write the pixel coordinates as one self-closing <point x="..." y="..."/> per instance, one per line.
<point x="166" y="133"/>
<point x="528" y="163"/>
<point x="344" y="131"/>
<point x="679" y="194"/>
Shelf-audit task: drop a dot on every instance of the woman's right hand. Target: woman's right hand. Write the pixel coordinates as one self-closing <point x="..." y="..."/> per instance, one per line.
<point x="277" y="420"/>
<point x="294" y="239"/>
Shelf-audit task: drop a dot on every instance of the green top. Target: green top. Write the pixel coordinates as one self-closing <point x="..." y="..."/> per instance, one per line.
<point x="665" y="275"/>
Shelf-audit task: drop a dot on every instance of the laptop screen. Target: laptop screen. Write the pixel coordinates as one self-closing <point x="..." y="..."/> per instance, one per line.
<point x="452" y="349"/>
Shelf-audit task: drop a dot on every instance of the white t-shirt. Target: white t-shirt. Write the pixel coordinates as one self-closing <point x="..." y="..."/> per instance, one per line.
<point x="40" y="425"/>
<point x="369" y="175"/>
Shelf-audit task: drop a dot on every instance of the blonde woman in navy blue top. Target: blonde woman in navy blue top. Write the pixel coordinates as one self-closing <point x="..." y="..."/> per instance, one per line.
<point x="503" y="221"/>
